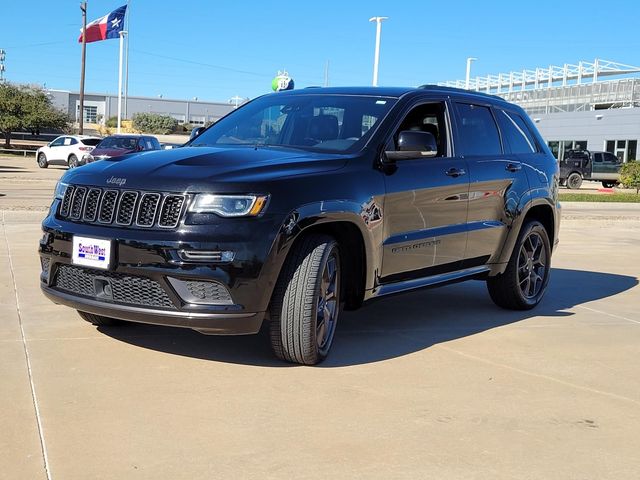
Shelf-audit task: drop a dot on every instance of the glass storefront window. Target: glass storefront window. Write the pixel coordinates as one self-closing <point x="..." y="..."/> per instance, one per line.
<point x="632" y="149"/>
<point x="611" y="146"/>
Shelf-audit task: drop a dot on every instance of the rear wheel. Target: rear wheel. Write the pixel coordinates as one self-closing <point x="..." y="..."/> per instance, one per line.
<point x="523" y="283"/>
<point x="42" y="160"/>
<point x="306" y="301"/>
<point x="99" y="320"/>
<point x="574" y="181"/>
<point x="73" y="161"/>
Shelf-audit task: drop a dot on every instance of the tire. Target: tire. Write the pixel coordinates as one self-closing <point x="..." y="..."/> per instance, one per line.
<point x="301" y="330"/>
<point x="608" y="184"/>
<point x="530" y="260"/>
<point x="574" y="181"/>
<point x="42" y="160"/>
<point x="73" y="161"/>
<point x="99" y="320"/>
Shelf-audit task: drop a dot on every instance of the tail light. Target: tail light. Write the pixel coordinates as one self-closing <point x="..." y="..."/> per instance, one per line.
<point x="86" y="149"/>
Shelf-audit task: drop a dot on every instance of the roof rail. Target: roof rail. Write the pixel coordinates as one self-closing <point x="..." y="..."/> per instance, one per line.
<point x="441" y="88"/>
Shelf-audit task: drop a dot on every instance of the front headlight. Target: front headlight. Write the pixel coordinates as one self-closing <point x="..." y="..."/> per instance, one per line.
<point x="229" y="205"/>
<point x="60" y="189"/>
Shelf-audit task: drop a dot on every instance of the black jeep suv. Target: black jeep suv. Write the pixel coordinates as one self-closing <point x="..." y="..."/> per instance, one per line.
<point x="301" y="203"/>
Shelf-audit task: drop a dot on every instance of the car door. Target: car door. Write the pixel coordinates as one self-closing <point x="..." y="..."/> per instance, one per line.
<point x="55" y="151"/>
<point x="65" y="149"/>
<point x="609" y="168"/>
<point x="425" y="206"/>
<point x="497" y="177"/>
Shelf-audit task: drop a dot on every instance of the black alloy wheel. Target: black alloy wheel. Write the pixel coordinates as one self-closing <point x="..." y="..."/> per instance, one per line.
<point x="574" y="181"/>
<point x="328" y="303"/>
<point x="532" y="265"/>
<point x="524" y="281"/>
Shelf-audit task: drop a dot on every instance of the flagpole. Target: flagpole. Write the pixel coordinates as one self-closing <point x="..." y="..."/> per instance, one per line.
<point x="126" y="62"/>
<point x="122" y="34"/>
<point x="83" y="7"/>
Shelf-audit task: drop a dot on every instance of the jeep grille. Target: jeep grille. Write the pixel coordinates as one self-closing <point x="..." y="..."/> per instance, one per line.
<point x="122" y="207"/>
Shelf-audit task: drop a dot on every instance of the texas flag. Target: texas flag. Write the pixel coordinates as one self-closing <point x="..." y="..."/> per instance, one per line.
<point x="105" y="27"/>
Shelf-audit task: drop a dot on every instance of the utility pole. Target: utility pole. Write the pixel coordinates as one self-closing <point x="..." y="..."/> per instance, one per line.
<point x="3" y="54"/>
<point x="83" y="7"/>
<point x="236" y="100"/>
<point x="468" y="78"/>
<point x="376" y="58"/>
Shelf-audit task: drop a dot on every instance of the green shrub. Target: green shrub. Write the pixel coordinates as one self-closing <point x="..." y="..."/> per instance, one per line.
<point x="630" y="175"/>
<point x="112" y="122"/>
<point x="154" y="123"/>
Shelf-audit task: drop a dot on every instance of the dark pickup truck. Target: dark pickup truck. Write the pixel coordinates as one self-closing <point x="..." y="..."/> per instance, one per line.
<point x="300" y="203"/>
<point x="579" y="165"/>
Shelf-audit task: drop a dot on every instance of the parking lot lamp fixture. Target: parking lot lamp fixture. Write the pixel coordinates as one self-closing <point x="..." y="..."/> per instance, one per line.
<point x="468" y="78"/>
<point x="376" y="58"/>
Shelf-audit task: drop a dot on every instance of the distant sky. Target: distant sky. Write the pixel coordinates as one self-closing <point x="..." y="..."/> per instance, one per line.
<point x="214" y="50"/>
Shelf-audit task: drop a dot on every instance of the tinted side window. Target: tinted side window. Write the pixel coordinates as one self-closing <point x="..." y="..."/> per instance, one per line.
<point x="478" y="134"/>
<point x="57" y="142"/>
<point x="428" y="117"/>
<point x="597" y="157"/>
<point x="516" y="133"/>
<point x="609" y="157"/>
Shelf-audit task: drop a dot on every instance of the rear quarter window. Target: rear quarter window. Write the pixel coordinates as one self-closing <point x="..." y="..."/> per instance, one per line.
<point x="477" y="130"/>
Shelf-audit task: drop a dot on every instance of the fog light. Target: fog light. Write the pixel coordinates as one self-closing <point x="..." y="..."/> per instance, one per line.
<point x="201" y="292"/>
<point x="45" y="262"/>
<point x="205" y="256"/>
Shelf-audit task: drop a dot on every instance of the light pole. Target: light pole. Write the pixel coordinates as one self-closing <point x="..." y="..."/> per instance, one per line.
<point x="376" y="58"/>
<point x="468" y="78"/>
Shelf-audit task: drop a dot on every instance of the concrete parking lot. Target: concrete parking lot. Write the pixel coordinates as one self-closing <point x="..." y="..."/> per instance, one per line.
<point x="432" y="384"/>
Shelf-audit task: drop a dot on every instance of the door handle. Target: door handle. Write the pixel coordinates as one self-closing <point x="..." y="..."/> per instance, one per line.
<point x="514" y="167"/>
<point x="455" y="172"/>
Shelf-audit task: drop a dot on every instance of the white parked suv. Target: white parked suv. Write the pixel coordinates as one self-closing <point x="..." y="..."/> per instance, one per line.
<point x="66" y="150"/>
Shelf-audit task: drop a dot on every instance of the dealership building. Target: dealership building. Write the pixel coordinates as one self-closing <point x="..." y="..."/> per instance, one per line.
<point x="588" y="105"/>
<point x="98" y="107"/>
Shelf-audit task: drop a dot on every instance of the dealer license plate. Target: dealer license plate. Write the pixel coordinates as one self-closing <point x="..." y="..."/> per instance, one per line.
<point x="91" y="252"/>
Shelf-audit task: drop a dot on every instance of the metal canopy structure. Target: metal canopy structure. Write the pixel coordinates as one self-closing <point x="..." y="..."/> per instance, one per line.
<point x="546" y="77"/>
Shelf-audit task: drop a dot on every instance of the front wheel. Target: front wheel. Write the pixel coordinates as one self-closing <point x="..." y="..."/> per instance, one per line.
<point x="42" y="160"/>
<point x="306" y="301"/>
<point x="523" y="283"/>
<point x="608" y="184"/>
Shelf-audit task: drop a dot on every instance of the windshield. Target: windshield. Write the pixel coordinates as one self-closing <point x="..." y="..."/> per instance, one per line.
<point x="125" y="143"/>
<point x="312" y="122"/>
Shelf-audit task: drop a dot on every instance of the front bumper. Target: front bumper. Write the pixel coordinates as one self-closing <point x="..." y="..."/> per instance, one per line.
<point x="208" y="323"/>
<point x="152" y="257"/>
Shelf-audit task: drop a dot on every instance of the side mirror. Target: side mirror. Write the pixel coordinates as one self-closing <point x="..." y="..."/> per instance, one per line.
<point x="195" y="132"/>
<point x="414" y="144"/>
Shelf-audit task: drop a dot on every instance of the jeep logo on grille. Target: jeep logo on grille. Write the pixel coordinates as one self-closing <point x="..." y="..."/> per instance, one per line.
<point x="117" y="181"/>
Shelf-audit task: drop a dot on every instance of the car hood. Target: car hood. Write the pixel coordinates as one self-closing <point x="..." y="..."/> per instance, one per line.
<point x="192" y="169"/>
<point x="110" y="152"/>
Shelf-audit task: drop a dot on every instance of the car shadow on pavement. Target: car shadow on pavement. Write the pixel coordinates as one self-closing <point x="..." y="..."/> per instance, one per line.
<point x="13" y="169"/>
<point x="391" y="327"/>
